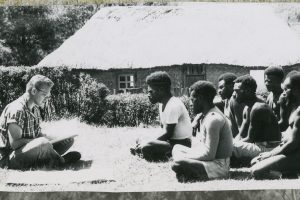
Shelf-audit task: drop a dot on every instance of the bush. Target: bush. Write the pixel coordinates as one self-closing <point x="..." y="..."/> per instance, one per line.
<point x="78" y="95"/>
<point x="92" y="100"/>
<point x="73" y="94"/>
<point x="129" y="110"/>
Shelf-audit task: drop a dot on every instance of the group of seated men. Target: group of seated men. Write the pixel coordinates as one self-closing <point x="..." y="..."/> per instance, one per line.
<point x="241" y="128"/>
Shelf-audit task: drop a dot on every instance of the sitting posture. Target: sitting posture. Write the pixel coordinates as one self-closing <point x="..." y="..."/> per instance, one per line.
<point x="209" y="156"/>
<point x="225" y="90"/>
<point x="229" y="106"/>
<point x="285" y="107"/>
<point x="174" y="117"/>
<point x="284" y="158"/>
<point x="259" y="130"/>
<point x="273" y="79"/>
<point x="22" y="144"/>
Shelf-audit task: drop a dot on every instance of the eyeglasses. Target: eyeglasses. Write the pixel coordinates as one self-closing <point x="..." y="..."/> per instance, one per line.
<point x="45" y="94"/>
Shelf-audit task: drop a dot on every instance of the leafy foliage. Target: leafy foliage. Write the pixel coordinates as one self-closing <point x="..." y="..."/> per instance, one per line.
<point x="30" y="33"/>
<point x="76" y="94"/>
<point x="130" y="110"/>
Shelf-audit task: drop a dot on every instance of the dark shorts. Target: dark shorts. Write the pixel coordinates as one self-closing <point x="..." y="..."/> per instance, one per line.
<point x="185" y="142"/>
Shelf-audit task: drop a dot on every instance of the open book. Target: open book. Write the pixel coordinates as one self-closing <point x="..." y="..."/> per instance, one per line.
<point x="56" y="140"/>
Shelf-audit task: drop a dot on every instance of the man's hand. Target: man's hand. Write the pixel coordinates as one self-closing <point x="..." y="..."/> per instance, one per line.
<point x="261" y="157"/>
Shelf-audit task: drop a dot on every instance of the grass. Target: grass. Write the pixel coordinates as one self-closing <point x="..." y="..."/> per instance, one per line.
<point x="114" y="169"/>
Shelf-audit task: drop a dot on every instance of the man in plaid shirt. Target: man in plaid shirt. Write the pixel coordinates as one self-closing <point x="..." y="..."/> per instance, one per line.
<point x="22" y="145"/>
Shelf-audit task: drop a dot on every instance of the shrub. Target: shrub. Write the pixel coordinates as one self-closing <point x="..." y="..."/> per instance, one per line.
<point x="129" y="110"/>
<point x="73" y="94"/>
<point x="92" y="102"/>
<point x="78" y="95"/>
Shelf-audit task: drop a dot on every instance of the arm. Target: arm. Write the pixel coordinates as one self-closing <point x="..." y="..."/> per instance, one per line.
<point x="285" y="111"/>
<point x="168" y="132"/>
<point x="15" y="136"/>
<point x="293" y="142"/>
<point x="245" y="125"/>
<point x="250" y="135"/>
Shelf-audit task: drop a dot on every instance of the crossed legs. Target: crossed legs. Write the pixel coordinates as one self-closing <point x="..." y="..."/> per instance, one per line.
<point x="39" y="152"/>
<point x="281" y="163"/>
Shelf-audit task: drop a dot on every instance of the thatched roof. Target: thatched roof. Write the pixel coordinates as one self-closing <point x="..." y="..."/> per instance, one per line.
<point x="247" y="34"/>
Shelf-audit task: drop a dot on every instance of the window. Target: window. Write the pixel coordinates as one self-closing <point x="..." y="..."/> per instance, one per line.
<point x="126" y="81"/>
<point x="194" y="70"/>
<point x="194" y="73"/>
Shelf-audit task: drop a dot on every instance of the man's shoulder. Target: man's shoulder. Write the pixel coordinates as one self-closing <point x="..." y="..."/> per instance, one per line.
<point x="214" y="117"/>
<point x="16" y="106"/>
<point x="297" y="117"/>
<point x="298" y="111"/>
<point x="175" y="102"/>
<point x="260" y="105"/>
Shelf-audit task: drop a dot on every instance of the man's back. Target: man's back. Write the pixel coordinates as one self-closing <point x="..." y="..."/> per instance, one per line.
<point x="263" y="124"/>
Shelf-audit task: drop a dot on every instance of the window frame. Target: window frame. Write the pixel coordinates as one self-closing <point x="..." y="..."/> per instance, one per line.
<point x="126" y="75"/>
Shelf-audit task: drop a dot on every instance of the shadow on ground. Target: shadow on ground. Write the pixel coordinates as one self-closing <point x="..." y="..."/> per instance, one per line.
<point x="81" y="164"/>
<point x="239" y="174"/>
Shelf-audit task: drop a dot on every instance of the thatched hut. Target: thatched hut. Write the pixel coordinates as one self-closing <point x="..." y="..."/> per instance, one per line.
<point x="121" y="45"/>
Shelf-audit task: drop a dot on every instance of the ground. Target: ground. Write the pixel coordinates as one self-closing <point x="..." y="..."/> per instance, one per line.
<point x="107" y="165"/>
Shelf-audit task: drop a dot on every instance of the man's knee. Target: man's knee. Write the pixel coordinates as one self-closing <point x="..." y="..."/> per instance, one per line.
<point x="69" y="142"/>
<point x="37" y="144"/>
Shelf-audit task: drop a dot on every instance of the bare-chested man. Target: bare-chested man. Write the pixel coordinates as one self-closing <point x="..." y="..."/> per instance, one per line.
<point x="259" y="130"/>
<point x="284" y="158"/>
<point x="273" y="78"/>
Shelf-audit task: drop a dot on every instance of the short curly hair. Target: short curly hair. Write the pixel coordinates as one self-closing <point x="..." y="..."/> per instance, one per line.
<point x="275" y="71"/>
<point x="228" y="77"/>
<point x="159" y="79"/>
<point x="204" y="88"/>
<point x="248" y="82"/>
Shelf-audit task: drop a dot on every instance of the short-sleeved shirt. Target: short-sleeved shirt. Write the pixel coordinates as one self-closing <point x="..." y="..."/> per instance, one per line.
<point x="18" y="112"/>
<point x="175" y="112"/>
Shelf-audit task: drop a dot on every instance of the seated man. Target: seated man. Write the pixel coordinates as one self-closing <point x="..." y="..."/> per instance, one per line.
<point x="273" y="79"/>
<point x="234" y="112"/>
<point x="174" y="117"/>
<point x="225" y="90"/>
<point x="209" y="156"/>
<point x="22" y="144"/>
<point x="259" y="131"/>
<point x="285" y="107"/>
<point x="284" y="158"/>
<point x="229" y="106"/>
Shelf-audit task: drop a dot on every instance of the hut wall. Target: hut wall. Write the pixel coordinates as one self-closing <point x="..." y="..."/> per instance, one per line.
<point x="214" y="71"/>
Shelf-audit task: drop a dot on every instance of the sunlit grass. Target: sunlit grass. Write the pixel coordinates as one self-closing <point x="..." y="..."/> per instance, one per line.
<point x="108" y="148"/>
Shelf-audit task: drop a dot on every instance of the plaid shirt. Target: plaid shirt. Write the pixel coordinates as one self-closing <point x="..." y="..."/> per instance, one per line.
<point x="17" y="112"/>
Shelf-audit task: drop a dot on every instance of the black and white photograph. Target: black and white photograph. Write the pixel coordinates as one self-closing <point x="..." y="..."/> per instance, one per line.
<point x="149" y="100"/>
